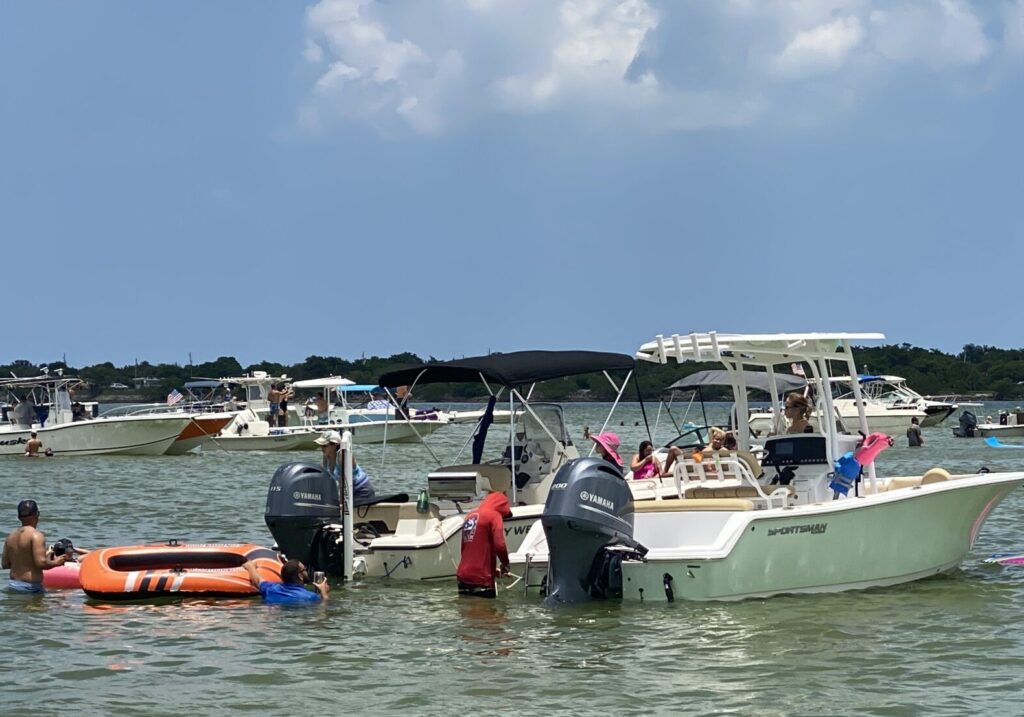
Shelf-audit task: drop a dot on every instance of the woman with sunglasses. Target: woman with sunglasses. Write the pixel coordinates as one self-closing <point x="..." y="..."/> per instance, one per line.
<point x="798" y="412"/>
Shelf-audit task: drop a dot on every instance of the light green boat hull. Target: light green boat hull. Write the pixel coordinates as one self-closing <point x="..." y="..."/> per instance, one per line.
<point x="829" y="548"/>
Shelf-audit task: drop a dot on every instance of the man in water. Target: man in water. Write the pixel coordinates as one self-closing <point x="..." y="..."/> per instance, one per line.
<point x="33" y="446"/>
<point x="483" y="542"/>
<point x="292" y="588"/>
<point x="915" y="439"/>
<point x="25" y="552"/>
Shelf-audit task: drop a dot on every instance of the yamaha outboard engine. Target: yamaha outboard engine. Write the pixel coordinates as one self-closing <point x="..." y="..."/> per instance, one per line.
<point x="301" y="505"/>
<point x="968" y="425"/>
<point x="589" y="509"/>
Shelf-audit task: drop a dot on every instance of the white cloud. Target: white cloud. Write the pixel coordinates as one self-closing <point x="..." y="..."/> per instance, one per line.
<point x="820" y="50"/>
<point x="652" y="65"/>
<point x="939" y="34"/>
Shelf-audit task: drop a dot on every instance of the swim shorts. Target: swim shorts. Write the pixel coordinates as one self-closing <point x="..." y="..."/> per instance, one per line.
<point x="21" y="586"/>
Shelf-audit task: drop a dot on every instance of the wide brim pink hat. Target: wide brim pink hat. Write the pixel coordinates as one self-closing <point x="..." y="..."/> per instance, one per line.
<point x="610" y="442"/>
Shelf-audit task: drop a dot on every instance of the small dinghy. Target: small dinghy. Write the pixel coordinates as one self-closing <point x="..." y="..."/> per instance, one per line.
<point x="173" y="569"/>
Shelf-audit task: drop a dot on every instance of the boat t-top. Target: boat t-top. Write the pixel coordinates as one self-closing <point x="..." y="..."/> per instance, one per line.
<point x="821" y="518"/>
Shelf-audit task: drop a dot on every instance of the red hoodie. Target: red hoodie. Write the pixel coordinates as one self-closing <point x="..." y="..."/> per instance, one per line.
<point x="483" y="540"/>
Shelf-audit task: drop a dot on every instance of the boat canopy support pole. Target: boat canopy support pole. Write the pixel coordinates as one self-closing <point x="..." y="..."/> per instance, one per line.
<point x="618" y="397"/>
<point x="346" y="505"/>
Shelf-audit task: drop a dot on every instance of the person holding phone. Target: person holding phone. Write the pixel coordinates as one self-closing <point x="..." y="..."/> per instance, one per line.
<point x="292" y="588"/>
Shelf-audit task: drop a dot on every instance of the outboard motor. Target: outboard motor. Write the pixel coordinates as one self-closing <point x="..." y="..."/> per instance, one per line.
<point x="302" y="504"/>
<point x="588" y="512"/>
<point x="968" y="425"/>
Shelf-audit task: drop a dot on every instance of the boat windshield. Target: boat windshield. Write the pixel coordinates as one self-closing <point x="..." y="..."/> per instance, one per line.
<point x="544" y="422"/>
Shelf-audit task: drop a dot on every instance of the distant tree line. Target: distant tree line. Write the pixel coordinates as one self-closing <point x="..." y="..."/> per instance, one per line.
<point x="975" y="370"/>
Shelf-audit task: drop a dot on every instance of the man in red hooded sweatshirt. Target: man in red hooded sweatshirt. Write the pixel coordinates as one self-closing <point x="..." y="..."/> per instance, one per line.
<point x="483" y="540"/>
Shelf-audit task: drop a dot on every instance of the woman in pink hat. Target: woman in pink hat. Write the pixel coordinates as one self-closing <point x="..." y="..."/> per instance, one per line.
<point x="608" y="447"/>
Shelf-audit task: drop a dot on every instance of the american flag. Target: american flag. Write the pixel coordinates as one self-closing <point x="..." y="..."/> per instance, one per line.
<point x="174" y="396"/>
<point x="797" y="369"/>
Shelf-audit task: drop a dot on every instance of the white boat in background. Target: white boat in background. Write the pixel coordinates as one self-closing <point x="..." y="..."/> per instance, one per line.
<point x="43" y="404"/>
<point x="808" y="526"/>
<point x="846" y="407"/>
<point x="373" y="422"/>
<point x="894" y="393"/>
<point x="474" y="416"/>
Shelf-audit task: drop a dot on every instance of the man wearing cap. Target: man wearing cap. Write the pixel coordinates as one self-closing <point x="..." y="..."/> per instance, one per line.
<point x="25" y="552"/>
<point x="362" y="487"/>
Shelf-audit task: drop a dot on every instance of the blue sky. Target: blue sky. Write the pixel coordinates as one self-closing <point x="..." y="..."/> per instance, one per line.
<point x="272" y="180"/>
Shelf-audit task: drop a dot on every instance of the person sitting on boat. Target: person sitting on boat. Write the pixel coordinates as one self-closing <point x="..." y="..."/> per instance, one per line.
<point x="77" y="412"/>
<point x="483" y="543"/>
<point x="25" y="552"/>
<point x="33" y="446"/>
<point x="362" y="487"/>
<point x="798" y="411"/>
<point x="607" y="445"/>
<point x="644" y="464"/>
<point x="292" y="588"/>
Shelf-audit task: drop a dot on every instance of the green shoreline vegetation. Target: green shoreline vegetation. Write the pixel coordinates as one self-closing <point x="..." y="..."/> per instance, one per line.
<point x="977" y="371"/>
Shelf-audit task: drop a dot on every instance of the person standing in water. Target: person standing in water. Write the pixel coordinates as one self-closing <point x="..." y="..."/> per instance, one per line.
<point x="483" y="543"/>
<point x="915" y="439"/>
<point x="25" y="552"/>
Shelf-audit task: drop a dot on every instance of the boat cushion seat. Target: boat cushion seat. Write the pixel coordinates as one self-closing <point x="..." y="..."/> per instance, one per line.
<point x="687" y="504"/>
<point x="389" y="514"/>
<point x="935" y="475"/>
<point x="736" y="491"/>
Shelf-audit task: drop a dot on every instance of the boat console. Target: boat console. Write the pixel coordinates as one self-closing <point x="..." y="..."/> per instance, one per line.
<point x="467" y="483"/>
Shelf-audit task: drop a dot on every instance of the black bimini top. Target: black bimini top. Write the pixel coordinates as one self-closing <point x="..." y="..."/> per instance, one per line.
<point x="754" y="379"/>
<point x="510" y="369"/>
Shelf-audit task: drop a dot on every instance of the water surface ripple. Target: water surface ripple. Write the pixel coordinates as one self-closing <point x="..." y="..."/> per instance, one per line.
<point x="940" y="646"/>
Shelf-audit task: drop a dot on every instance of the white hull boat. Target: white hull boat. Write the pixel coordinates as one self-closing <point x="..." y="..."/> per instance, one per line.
<point x="816" y="522"/>
<point x="998" y="430"/>
<point x="297" y="440"/>
<point x="43" y="404"/>
<point x="392" y="538"/>
<point x="130" y="436"/>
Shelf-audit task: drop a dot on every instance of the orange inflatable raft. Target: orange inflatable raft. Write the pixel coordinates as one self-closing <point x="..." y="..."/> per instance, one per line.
<point x="172" y="569"/>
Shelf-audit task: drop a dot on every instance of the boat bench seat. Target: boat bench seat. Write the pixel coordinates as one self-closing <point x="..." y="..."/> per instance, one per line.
<point x="688" y="504"/>
<point x="384" y="517"/>
<point x="935" y="475"/>
<point x="737" y="491"/>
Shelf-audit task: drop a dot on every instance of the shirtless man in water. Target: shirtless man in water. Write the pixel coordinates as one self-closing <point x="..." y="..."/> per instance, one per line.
<point x="33" y="446"/>
<point x="25" y="552"/>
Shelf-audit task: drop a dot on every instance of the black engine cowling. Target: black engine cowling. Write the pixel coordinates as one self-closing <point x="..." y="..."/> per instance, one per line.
<point x="301" y="502"/>
<point x="587" y="519"/>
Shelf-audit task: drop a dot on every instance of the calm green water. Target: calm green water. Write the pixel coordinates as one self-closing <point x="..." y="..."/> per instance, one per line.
<point x="942" y="646"/>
